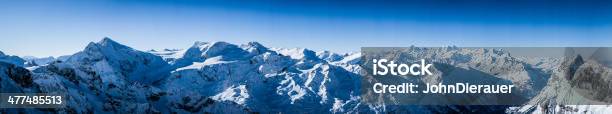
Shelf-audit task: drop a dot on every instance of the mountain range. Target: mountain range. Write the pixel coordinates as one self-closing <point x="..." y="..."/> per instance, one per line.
<point x="220" y="77"/>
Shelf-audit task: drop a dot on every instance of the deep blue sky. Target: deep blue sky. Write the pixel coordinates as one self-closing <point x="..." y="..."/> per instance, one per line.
<point x="52" y="28"/>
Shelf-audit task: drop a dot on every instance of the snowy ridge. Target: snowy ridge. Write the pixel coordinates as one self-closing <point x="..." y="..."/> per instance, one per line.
<point x="35" y="61"/>
<point x="11" y="59"/>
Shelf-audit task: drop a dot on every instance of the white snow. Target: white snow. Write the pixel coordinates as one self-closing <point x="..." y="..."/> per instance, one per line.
<point x="209" y="61"/>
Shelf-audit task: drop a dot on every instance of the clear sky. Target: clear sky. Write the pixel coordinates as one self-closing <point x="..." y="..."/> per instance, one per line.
<point x="52" y="28"/>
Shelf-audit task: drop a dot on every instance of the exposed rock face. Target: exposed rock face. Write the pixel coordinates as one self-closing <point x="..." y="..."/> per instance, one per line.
<point x="580" y="82"/>
<point x="14" y="77"/>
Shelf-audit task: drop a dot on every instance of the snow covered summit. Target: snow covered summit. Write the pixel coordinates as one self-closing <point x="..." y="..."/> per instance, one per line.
<point x="108" y="56"/>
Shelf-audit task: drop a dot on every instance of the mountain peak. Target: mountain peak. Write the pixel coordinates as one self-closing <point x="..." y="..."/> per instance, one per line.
<point x="298" y="53"/>
<point x="106" y="48"/>
<point x="134" y="64"/>
<point x="257" y="44"/>
<point x="199" y="43"/>
<point x="106" y="41"/>
<point x="254" y="47"/>
<point x="223" y="48"/>
<point x="221" y="43"/>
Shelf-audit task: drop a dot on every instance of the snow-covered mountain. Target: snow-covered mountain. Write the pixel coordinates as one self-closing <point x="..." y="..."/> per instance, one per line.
<point x="577" y="79"/>
<point x="36" y="61"/>
<point x="220" y="77"/>
<point x="11" y="59"/>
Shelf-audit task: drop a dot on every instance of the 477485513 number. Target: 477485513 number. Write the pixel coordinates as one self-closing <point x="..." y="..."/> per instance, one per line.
<point x="32" y="100"/>
<point x="35" y="99"/>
